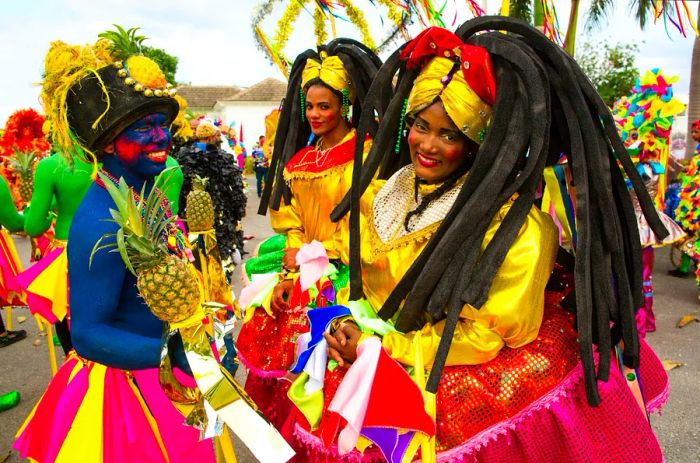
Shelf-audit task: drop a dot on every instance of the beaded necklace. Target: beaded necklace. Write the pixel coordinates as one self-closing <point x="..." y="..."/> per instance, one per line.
<point x="172" y="235"/>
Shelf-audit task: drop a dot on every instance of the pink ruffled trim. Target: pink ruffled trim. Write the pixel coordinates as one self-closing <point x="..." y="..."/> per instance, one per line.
<point x="654" y="405"/>
<point x="489" y="435"/>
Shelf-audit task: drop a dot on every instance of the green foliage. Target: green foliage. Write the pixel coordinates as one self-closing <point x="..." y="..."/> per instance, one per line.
<point x="167" y="62"/>
<point x="598" y="12"/>
<point x="641" y="9"/>
<point x="611" y="68"/>
<point x="521" y="9"/>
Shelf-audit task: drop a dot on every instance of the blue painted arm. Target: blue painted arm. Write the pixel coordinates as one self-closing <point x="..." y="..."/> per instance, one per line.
<point x="110" y="323"/>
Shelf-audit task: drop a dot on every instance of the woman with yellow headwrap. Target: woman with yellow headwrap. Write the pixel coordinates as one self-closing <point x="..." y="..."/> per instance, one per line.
<point x="452" y="272"/>
<point x="310" y="172"/>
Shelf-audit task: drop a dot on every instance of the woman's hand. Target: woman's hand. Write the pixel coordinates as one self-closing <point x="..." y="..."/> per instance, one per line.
<point x="280" y="296"/>
<point x="289" y="259"/>
<point x="342" y="344"/>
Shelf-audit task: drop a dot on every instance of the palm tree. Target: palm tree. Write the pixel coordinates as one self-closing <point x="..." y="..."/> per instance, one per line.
<point x="525" y="9"/>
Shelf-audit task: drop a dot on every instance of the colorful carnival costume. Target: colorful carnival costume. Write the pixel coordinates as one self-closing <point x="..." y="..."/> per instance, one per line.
<point x="10" y="291"/>
<point x="454" y="273"/>
<point x="308" y="177"/>
<point x="687" y="211"/>
<point x="10" y="265"/>
<point x="122" y="394"/>
<point x="60" y="187"/>
<point x="224" y="186"/>
<point x="645" y="119"/>
<point x="650" y="172"/>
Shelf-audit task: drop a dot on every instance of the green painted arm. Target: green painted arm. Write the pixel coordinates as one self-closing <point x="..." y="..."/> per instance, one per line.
<point x="9" y="217"/>
<point x="38" y="219"/>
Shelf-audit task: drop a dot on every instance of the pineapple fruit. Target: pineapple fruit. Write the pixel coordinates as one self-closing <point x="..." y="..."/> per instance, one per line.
<point x="165" y="281"/>
<point x="22" y="164"/>
<point x="146" y="72"/>
<point x="200" y="208"/>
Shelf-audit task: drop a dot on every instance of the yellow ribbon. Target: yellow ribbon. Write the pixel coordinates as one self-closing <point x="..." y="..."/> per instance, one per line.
<point x="331" y="72"/>
<point x="427" y="447"/>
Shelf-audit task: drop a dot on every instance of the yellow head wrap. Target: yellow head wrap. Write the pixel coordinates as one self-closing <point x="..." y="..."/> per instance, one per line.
<point x="470" y="113"/>
<point x="331" y="72"/>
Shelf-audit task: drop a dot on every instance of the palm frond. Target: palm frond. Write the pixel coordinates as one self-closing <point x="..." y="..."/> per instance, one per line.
<point x="598" y="12"/>
<point x="521" y="9"/>
<point x="641" y="10"/>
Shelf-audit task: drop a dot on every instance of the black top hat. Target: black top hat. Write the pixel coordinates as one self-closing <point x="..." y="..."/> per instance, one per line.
<point x="106" y="97"/>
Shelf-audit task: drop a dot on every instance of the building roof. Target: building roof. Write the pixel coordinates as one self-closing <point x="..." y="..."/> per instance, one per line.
<point x="202" y="96"/>
<point x="266" y="90"/>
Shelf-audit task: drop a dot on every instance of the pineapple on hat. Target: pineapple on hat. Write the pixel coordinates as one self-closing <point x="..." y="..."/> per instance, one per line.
<point x="22" y="164"/>
<point x="165" y="280"/>
<point x="143" y="72"/>
<point x="200" y="207"/>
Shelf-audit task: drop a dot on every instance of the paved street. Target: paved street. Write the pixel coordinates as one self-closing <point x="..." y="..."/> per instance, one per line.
<point x="24" y="366"/>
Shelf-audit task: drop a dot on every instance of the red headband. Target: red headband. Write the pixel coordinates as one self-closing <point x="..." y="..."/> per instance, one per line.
<point x="475" y="61"/>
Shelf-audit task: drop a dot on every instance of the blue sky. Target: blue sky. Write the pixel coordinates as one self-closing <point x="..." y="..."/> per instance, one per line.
<point x="214" y="42"/>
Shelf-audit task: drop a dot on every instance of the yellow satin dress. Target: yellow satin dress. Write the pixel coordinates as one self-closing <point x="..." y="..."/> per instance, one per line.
<point x="317" y="184"/>
<point x="513" y="311"/>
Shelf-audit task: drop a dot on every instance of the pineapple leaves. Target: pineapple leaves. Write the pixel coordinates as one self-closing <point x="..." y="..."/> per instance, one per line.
<point x="142" y="219"/>
<point x="125" y="43"/>
<point x="121" y="246"/>
<point x="120" y="197"/>
<point x="97" y="246"/>
<point x="22" y="162"/>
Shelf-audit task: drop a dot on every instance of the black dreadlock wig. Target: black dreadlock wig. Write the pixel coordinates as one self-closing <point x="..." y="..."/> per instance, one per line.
<point x="544" y="106"/>
<point x="293" y="133"/>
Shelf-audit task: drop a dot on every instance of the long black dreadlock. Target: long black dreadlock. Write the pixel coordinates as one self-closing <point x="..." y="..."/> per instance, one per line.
<point x="544" y="106"/>
<point x="293" y="133"/>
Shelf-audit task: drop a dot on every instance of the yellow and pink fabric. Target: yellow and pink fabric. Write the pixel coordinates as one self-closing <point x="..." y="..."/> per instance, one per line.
<point x="102" y="414"/>
<point x="46" y="284"/>
<point x="10" y="266"/>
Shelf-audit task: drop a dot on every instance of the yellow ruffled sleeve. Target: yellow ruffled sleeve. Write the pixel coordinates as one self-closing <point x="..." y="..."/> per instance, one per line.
<point x="513" y="311"/>
<point x="287" y="221"/>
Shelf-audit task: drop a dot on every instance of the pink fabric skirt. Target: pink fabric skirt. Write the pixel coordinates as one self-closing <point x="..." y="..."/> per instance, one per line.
<point x="559" y="426"/>
<point x="46" y="285"/>
<point x="94" y="413"/>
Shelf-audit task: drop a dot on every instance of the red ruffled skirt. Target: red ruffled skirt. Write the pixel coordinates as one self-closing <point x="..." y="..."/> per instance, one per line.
<point x="267" y="348"/>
